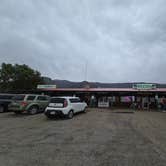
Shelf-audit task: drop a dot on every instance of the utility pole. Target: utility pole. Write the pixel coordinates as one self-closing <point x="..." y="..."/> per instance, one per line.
<point x="86" y="69"/>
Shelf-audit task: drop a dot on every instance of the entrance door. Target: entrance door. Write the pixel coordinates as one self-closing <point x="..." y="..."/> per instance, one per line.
<point x="145" y="103"/>
<point x="103" y="102"/>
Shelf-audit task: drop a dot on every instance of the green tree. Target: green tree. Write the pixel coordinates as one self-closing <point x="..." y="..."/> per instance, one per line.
<point x="18" y="77"/>
<point x="6" y="76"/>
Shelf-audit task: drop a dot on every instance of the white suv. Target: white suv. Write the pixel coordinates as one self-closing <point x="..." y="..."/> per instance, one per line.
<point x="64" y="106"/>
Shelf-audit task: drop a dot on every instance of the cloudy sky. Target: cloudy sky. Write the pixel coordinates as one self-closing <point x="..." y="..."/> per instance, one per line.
<point x="118" y="40"/>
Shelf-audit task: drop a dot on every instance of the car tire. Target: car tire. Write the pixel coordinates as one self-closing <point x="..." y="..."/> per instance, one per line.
<point x="85" y="110"/>
<point x="17" y="112"/>
<point x="33" y="110"/>
<point x="70" y="114"/>
<point x="2" y="109"/>
<point x="50" y="117"/>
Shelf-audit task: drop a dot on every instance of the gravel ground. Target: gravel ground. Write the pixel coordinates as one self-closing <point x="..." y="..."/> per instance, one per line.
<point x="99" y="137"/>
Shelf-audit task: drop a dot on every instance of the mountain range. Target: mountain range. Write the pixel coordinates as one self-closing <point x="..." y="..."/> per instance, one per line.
<point x="84" y="84"/>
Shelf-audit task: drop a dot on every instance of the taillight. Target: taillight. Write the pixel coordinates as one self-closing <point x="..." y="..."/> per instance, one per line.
<point x="24" y="103"/>
<point x="65" y="103"/>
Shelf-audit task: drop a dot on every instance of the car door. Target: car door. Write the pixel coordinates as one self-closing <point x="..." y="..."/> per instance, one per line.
<point x="74" y="104"/>
<point x="42" y="102"/>
<point x="80" y="105"/>
<point x="77" y="105"/>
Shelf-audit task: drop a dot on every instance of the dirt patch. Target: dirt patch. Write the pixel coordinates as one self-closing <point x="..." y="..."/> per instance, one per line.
<point x="96" y="138"/>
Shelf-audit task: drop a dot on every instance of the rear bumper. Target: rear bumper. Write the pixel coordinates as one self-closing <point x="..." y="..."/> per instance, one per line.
<point x="53" y="113"/>
<point x="15" y="109"/>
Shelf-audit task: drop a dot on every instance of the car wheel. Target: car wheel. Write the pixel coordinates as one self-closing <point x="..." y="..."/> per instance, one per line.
<point x="85" y="110"/>
<point x="70" y="114"/>
<point x="50" y="117"/>
<point x="2" y="108"/>
<point x="17" y="112"/>
<point x="33" y="110"/>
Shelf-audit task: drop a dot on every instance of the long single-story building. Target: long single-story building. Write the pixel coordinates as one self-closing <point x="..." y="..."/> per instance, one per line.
<point x="141" y="96"/>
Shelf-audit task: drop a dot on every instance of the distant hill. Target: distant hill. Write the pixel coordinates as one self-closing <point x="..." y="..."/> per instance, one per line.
<point x="83" y="84"/>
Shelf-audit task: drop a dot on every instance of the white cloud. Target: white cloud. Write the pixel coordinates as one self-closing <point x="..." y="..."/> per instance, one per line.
<point x="122" y="40"/>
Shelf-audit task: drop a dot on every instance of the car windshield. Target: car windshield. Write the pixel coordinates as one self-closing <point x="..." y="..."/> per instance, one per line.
<point x="19" y="97"/>
<point x="57" y="100"/>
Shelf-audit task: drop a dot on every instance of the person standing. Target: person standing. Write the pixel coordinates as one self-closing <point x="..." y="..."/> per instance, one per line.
<point x="164" y="103"/>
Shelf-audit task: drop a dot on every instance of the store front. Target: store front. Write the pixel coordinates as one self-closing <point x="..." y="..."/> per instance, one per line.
<point x="134" y="102"/>
<point x="140" y="96"/>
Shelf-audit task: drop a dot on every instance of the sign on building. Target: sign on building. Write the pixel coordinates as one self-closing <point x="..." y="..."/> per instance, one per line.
<point x="45" y="86"/>
<point x="144" y="86"/>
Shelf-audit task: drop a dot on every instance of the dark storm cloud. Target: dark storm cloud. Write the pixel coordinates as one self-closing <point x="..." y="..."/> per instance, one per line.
<point x="119" y="40"/>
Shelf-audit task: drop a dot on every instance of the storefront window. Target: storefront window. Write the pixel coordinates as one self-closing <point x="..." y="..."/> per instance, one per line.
<point x="126" y="99"/>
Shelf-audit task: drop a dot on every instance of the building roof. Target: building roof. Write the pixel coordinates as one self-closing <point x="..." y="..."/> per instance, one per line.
<point x="66" y="97"/>
<point x="103" y="90"/>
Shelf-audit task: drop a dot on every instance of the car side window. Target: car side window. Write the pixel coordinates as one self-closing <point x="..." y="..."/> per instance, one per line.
<point x="71" y="100"/>
<point x="30" y="98"/>
<point x="9" y="97"/>
<point x="75" y="100"/>
<point x="6" y="97"/>
<point x="78" y="100"/>
<point x="42" y="98"/>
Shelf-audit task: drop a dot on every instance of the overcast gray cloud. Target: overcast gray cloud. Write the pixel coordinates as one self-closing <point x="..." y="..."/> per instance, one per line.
<point x="120" y="40"/>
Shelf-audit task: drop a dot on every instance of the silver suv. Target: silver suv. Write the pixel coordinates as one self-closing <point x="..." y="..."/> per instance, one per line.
<point x="29" y="103"/>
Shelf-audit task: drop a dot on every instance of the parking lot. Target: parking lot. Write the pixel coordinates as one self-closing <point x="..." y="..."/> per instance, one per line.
<point x="99" y="137"/>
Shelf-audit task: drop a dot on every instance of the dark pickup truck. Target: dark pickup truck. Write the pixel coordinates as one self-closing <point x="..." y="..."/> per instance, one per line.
<point x="5" y="100"/>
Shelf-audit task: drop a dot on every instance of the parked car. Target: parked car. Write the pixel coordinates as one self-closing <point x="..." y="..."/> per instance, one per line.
<point x="29" y="103"/>
<point x="5" y="100"/>
<point x="64" y="106"/>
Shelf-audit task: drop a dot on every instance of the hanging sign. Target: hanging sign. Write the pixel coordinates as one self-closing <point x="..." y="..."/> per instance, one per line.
<point x="144" y="86"/>
<point x="45" y="86"/>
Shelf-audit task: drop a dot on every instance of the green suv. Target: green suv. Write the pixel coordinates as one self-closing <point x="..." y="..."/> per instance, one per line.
<point x="29" y="103"/>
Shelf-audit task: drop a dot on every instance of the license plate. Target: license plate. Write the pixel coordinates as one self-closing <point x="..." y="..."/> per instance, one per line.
<point x="52" y="113"/>
<point x="56" y="105"/>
